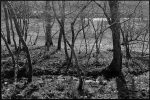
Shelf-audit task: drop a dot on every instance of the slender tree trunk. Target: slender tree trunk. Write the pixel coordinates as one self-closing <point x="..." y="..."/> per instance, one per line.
<point x="13" y="59"/>
<point x="7" y="23"/>
<point x="59" y="41"/>
<point x="84" y="35"/>
<point x="126" y="42"/>
<point x="127" y="47"/>
<point x="64" y="38"/>
<point x="48" y="37"/>
<point x="71" y="56"/>
<point x="143" y="44"/>
<point x="13" y="33"/>
<point x="79" y="70"/>
<point x="26" y="21"/>
<point x="128" y="55"/>
<point x="19" y="32"/>
<point x="37" y="36"/>
<point x="68" y="59"/>
<point x="97" y="48"/>
<point x="117" y="56"/>
<point x="73" y="40"/>
<point x="26" y="30"/>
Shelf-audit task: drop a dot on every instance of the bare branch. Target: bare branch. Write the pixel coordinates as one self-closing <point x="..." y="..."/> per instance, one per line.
<point x="104" y="10"/>
<point x="80" y="12"/>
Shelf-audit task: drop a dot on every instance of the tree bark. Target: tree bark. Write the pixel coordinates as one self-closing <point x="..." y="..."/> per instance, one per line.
<point x="13" y="33"/>
<point x="64" y="37"/>
<point x="59" y="40"/>
<point x="84" y="35"/>
<point x="48" y="37"/>
<point x="26" y="21"/>
<point x="19" y="32"/>
<point x="7" y="23"/>
<point x="13" y="59"/>
<point x="117" y="56"/>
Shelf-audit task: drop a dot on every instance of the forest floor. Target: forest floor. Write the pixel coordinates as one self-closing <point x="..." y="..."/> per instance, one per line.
<point x="49" y="84"/>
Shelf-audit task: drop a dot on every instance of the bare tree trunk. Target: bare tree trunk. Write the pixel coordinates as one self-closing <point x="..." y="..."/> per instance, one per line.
<point x="13" y="37"/>
<point x="63" y="29"/>
<point x="84" y="35"/>
<point x="143" y="44"/>
<point x="79" y="70"/>
<point x="72" y="46"/>
<point x="25" y="28"/>
<point x="127" y="47"/>
<point x="97" y="48"/>
<point x="13" y="59"/>
<point x="128" y="55"/>
<point x="19" y="32"/>
<point x="26" y="21"/>
<point x="126" y="42"/>
<point x="48" y="37"/>
<point x="59" y="41"/>
<point x="62" y="33"/>
<point x="7" y="23"/>
<point x="117" y="56"/>
<point x="64" y="36"/>
<point x="37" y="35"/>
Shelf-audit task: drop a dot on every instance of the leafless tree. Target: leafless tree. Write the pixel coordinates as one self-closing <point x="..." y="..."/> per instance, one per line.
<point x="74" y="36"/>
<point x="13" y="32"/>
<point x="116" y="64"/>
<point x="20" y="32"/>
<point x="62" y="28"/>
